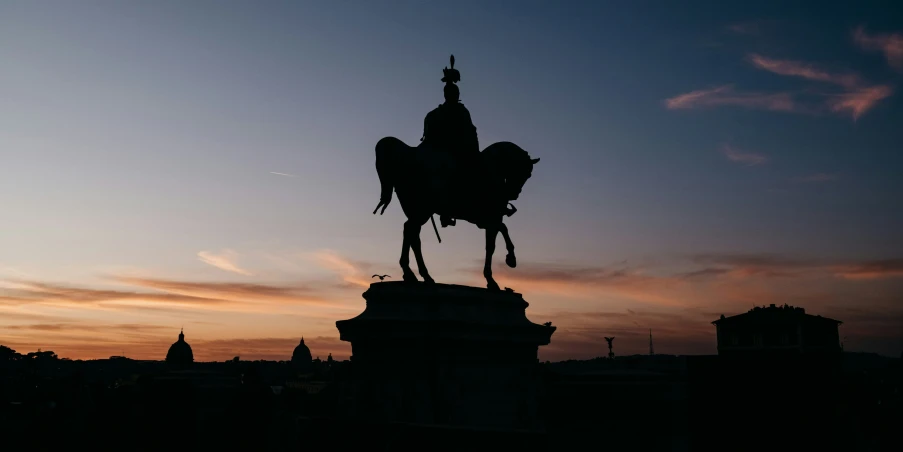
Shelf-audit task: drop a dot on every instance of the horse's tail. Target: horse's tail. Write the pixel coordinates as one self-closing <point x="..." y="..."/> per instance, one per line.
<point x="386" y="156"/>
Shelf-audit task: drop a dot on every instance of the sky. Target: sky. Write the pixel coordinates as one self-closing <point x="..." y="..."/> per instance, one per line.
<point x="209" y="166"/>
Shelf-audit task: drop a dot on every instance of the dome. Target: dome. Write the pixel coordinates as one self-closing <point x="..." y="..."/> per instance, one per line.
<point x="301" y="357"/>
<point x="179" y="356"/>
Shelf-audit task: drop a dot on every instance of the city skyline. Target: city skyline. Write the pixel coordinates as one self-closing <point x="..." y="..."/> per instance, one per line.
<point x="211" y="167"/>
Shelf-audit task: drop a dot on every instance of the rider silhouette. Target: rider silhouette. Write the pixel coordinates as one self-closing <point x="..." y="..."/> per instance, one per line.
<point x="448" y="128"/>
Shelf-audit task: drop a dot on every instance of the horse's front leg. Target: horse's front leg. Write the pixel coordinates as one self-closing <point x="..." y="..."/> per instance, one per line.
<point x="510" y="259"/>
<point x="405" y="261"/>
<point x="491" y="233"/>
<point x="412" y="231"/>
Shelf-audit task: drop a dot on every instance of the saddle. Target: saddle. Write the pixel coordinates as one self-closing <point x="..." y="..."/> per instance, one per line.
<point x="455" y="181"/>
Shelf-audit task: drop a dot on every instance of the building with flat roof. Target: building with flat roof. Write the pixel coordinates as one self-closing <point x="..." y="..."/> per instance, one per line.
<point x="777" y="330"/>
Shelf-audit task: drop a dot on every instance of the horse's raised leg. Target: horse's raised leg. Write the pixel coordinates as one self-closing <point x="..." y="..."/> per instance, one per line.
<point x="405" y="261"/>
<point x="412" y="232"/>
<point x="491" y="233"/>
<point x="510" y="259"/>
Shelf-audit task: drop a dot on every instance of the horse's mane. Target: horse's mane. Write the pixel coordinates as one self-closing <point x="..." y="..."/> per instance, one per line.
<point x="505" y="149"/>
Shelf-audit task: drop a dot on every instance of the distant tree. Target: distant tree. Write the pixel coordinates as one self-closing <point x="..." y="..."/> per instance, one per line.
<point x="40" y="355"/>
<point x="8" y="354"/>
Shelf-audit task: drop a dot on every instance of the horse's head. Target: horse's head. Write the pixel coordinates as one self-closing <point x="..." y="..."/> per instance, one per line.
<point x="515" y="180"/>
<point x="517" y="168"/>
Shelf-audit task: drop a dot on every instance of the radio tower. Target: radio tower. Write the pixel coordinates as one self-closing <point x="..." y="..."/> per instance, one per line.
<point x="651" y="351"/>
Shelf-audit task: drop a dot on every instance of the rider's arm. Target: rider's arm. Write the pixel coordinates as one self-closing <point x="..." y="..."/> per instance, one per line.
<point x="472" y="139"/>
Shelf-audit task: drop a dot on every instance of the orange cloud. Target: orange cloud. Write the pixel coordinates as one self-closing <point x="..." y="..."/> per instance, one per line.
<point x="588" y="283"/>
<point x="225" y="291"/>
<point x="889" y="268"/>
<point x="34" y="292"/>
<point x="226" y="260"/>
<point x="129" y="327"/>
<point x="772" y="265"/>
<point x="890" y="44"/>
<point x="677" y="299"/>
<point x="351" y="272"/>
<point x="169" y="295"/>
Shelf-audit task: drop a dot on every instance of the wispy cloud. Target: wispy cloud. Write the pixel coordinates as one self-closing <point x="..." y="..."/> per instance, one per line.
<point x="632" y="283"/>
<point x="725" y="95"/>
<point x="781" y="266"/>
<point x="351" y="272"/>
<point x="43" y="292"/>
<point x="14" y="272"/>
<point x="890" y="44"/>
<point x="675" y="298"/>
<point x="859" y="100"/>
<point x="818" y="177"/>
<point x="283" y="174"/>
<point x="880" y="269"/>
<point x="803" y="70"/>
<point x="224" y="291"/>
<point x="746" y="158"/>
<point x="857" y="97"/>
<point x="678" y="305"/>
<point x="131" y="327"/>
<point x="171" y="294"/>
<point x="224" y="260"/>
<point x="658" y="286"/>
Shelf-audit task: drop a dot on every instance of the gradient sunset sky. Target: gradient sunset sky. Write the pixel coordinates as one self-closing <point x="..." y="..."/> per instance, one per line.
<point x="209" y="165"/>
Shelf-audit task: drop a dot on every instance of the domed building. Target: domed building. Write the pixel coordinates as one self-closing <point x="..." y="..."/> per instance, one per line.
<point x="302" y="360"/>
<point x="179" y="356"/>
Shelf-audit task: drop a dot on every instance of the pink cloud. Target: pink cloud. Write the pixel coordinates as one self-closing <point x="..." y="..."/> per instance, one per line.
<point x="804" y="70"/>
<point x="746" y="158"/>
<point x="859" y="101"/>
<point x="891" y="44"/>
<point x="855" y="99"/>
<point x="725" y="95"/>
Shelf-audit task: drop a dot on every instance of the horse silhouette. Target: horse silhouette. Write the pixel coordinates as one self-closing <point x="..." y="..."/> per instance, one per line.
<point x="415" y="175"/>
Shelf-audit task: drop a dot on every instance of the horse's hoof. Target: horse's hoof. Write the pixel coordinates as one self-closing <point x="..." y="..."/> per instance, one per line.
<point x="428" y="280"/>
<point x="410" y="278"/>
<point x="511" y="260"/>
<point x="492" y="285"/>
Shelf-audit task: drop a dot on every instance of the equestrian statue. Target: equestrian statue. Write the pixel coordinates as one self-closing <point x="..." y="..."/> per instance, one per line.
<point x="446" y="174"/>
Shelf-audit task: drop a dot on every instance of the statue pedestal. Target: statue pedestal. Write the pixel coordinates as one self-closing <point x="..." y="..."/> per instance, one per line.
<point x="444" y="354"/>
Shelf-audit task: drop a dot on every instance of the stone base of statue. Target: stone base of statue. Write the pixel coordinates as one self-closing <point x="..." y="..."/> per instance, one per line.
<point x="444" y="355"/>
